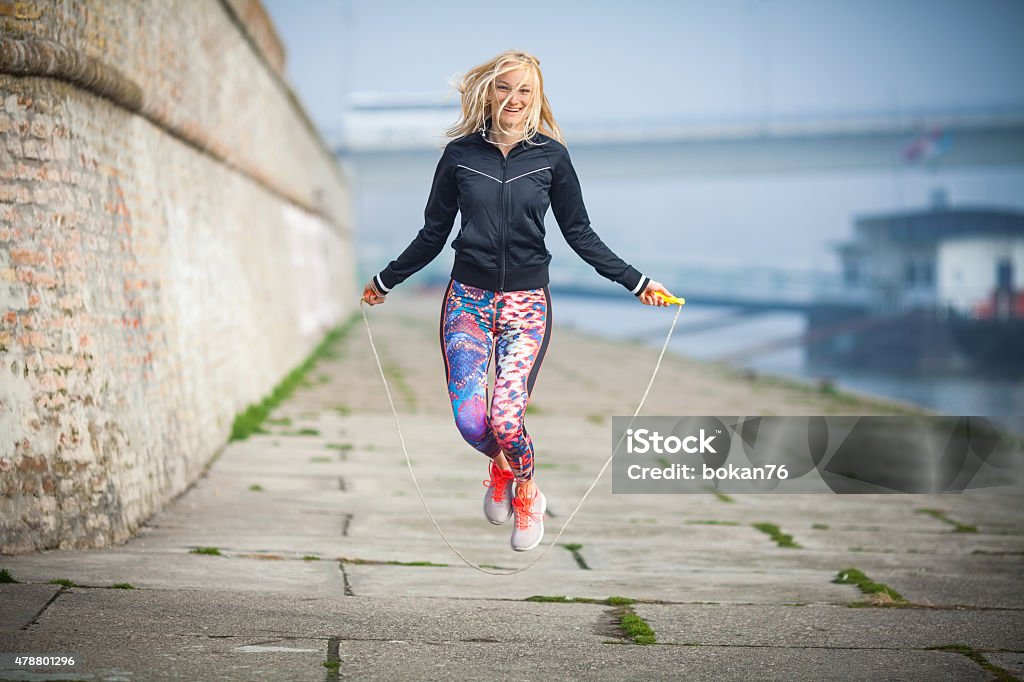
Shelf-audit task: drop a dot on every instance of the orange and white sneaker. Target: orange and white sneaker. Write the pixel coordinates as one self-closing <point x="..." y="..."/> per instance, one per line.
<point x="529" y="523"/>
<point x="498" y="497"/>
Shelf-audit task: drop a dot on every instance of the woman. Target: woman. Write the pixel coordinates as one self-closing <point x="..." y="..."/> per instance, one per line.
<point x="506" y="165"/>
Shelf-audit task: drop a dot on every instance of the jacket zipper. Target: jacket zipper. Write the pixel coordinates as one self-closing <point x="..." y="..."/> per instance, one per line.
<point x="501" y="221"/>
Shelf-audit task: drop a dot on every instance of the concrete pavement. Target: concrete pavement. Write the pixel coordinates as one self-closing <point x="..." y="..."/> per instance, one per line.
<point x="326" y="554"/>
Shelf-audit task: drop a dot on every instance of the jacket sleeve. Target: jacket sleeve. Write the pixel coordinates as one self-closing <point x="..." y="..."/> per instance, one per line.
<point x="571" y="214"/>
<point x="438" y="218"/>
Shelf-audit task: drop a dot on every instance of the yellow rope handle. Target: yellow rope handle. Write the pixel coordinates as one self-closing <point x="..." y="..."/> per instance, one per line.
<point x="672" y="299"/>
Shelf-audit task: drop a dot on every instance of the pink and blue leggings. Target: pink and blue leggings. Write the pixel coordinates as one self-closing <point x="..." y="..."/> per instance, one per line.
<point x="514" y="327"/>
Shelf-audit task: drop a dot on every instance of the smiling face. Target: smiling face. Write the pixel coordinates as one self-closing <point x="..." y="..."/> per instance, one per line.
<point x="516" y="90"/>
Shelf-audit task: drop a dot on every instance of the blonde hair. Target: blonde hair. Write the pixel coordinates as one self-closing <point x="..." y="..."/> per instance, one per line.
<point x="478" y="83"/>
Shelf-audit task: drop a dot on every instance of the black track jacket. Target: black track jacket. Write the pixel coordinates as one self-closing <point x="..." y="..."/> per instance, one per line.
<point x="503" y="200"/>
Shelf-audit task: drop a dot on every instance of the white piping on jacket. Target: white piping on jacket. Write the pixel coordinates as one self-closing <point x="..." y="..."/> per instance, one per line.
<point x="481" y="173"/>
<point x="524" y="174"/>
<point x="536" y="170"/>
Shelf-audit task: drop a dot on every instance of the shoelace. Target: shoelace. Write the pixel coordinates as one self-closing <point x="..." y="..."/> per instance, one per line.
<point x="524" y="512"/>
<point x="499" y="480"/>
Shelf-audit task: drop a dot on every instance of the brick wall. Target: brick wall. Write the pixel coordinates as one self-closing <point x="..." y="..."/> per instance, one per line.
<point x="174" y="239"/>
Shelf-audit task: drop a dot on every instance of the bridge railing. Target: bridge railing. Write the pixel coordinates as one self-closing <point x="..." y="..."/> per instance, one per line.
<point x="757" y="286"/>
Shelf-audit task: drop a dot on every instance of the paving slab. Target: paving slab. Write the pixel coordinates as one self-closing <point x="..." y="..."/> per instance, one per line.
<point x="127" y="657"/>
<point x="178" y="657"/>
<point x="818" y="625"/>
<point x="957" y="588"/>
<point x="22" y="602"/>
<point x="1010" y="661"/>
<point x="93" y="613"/>
<point x="724" y="585"/>
<point x="900" y="540"/>
<point x="151" y="570"/>
<point x="421" y="661"/>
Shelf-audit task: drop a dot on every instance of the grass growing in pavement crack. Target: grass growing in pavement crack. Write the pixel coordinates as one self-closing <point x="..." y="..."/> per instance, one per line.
<point x="780" y="538"/>
<point x="575" y="548"/>
<point x="941" y="516"/>
<point x="339" y="446"/>
<point x="6" y="577"/>
<point x="212" y="551"/>
<point x="256" y="487"/>
<point x="722" y="497"/>
<point x="122" y="586"/>
<point x="635" y="627"/>
<point x="63" y="581"/>
<point x="301" y="432"/>
<point x="249" y="421"/>
<point x="375" y="562"/>
<point x="712" y="522"/>
<point x="281" y="421"/>
<point x="632" y="626"/>
<point x="978" y="657"/>
<point x="879" y="594"/>
<point x="397" y="377"/>
<point x="562" y="599"/>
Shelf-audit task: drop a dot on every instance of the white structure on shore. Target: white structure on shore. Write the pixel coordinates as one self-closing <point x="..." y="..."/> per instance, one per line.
<point x="968" y="260"/>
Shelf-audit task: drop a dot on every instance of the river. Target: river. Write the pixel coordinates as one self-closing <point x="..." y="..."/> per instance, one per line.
<point x="744" y="341"/>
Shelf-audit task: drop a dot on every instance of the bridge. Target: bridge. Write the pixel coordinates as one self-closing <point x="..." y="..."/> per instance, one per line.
<point x="752" y="289"/>
<point x="380" y="137"/>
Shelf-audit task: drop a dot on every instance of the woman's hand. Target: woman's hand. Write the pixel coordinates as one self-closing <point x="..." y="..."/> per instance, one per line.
<point x="650" y="295"/>
<point x="371" y="294"/>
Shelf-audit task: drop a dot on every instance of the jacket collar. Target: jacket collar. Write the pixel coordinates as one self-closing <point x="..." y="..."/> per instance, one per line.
<point x="487" y="129"/>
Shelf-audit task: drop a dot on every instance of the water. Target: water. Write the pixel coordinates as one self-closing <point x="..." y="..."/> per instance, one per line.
<point x="768" y="344"/>
<point x="660" y="216"/>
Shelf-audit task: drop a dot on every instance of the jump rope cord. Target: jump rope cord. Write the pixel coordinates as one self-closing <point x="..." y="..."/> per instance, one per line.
<point x="419" y="491"/>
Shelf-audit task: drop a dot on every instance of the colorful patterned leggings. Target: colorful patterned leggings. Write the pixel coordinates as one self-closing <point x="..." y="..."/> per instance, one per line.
<point x="514" y="326"/>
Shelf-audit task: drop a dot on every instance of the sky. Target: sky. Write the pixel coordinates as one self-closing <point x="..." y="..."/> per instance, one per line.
<point x="675" y="61"/>
<point x="668" y="60"/>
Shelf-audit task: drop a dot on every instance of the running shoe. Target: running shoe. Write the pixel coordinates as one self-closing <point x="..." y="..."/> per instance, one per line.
<point x="529" y="523"/>
<point x="498" y="497"/>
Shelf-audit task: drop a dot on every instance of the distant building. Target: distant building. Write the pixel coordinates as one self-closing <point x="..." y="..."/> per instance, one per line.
<point x="965" y="260"/>
<point x="930" y="290"/>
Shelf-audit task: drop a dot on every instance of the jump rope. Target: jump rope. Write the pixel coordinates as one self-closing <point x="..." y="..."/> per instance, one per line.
<point x="398" y="427"/>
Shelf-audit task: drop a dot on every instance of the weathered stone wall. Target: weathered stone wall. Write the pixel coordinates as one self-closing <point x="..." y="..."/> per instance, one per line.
<point x="174" y="239"/>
